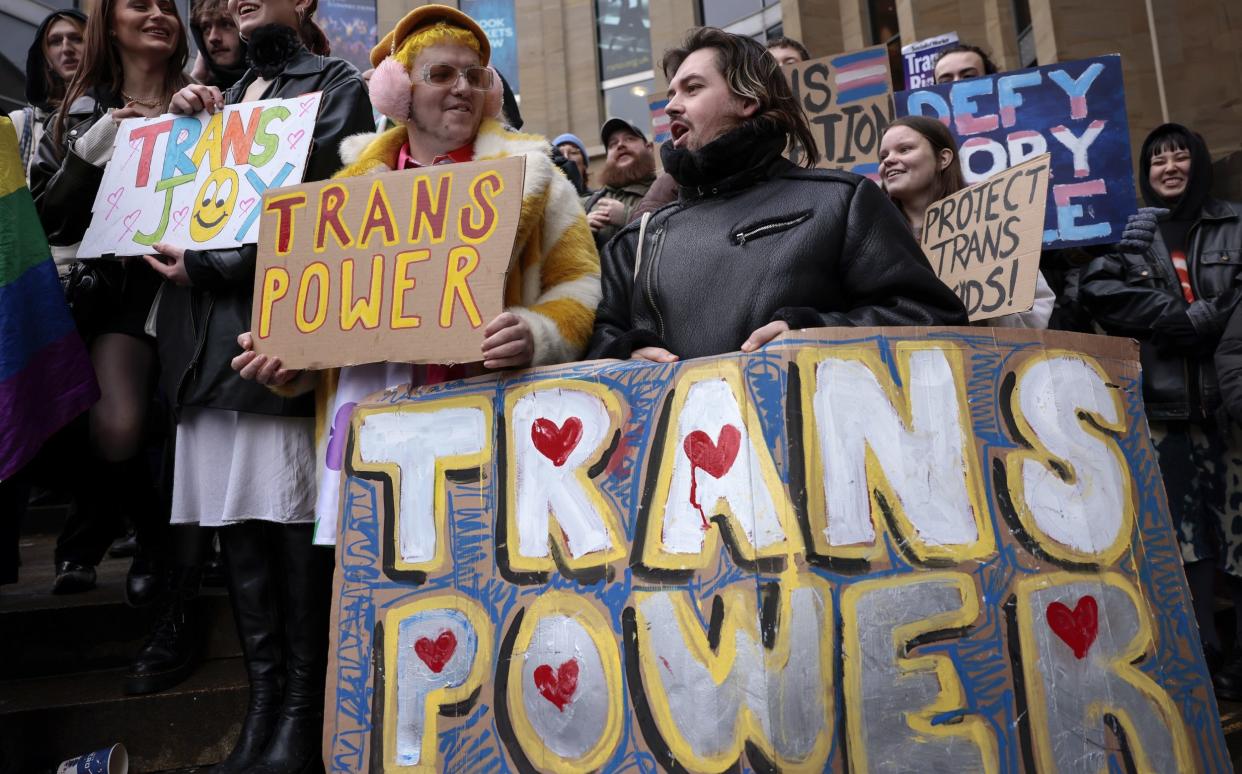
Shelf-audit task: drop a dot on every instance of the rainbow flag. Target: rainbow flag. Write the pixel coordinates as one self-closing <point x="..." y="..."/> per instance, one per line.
<point x="46" y="377"/>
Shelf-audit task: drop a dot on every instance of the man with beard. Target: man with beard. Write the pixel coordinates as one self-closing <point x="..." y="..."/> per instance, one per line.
<point x="755" y="245"/>
<point x="221" y="52"/>
<point x="629" y="171"/>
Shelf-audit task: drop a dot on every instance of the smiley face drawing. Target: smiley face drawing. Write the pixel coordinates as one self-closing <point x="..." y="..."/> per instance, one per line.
<point x="214" y="204"/>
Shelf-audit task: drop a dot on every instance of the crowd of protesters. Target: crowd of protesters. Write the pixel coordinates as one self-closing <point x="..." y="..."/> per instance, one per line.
<point x="196" y="434"/>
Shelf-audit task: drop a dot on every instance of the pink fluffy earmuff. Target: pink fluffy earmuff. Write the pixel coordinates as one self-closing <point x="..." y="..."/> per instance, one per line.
<point x="390" y="91"/>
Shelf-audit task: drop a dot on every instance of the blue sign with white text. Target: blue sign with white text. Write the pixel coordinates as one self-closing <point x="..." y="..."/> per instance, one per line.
<point x="1074" y="110"/>
<point x="497" y="19"/>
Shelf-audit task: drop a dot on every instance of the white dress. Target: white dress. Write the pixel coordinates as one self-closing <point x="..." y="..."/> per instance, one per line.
<point x="232" y="466"/>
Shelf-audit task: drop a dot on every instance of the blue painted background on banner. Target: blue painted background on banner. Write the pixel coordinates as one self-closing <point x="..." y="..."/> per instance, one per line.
<point x="1074" y="110"/>
<point x="497" y="19"/>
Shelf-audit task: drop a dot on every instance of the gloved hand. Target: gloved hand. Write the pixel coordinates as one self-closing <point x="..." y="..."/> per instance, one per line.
<point x="1140" y="229"/>
<point x="1174" y="334"/>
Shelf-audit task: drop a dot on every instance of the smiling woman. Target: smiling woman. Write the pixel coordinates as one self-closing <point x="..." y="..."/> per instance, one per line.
<point x="132" y="60"/>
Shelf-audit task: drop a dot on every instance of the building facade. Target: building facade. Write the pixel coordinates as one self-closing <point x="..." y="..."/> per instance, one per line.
<point x="580" y="61"/>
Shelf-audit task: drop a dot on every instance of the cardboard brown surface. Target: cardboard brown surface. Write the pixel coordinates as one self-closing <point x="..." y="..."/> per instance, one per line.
<point x="848" y="100"/>
<point x="984" y="241"/>
<point x="493" y="647"/>
<point x="440" y="237"/>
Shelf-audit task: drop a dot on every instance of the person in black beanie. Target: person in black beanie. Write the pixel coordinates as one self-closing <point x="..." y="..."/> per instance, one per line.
<point x="1173" y="284"/>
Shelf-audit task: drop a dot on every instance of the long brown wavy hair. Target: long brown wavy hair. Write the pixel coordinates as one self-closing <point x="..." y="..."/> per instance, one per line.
<point x="948" y="180"/>
<point x="101" y="61"/>
<point x="751" y="73"/>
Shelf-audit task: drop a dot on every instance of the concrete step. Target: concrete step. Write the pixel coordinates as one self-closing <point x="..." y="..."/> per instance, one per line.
<point x="93" y="630"/>
<point x="47" y="720"/>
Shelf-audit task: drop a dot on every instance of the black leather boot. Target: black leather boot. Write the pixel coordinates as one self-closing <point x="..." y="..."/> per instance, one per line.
<point x="296" y="746"/>
<point x="170" y="655"/>
<point x="254" y="591"/>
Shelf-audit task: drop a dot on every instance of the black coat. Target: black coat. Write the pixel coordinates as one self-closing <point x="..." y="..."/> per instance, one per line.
<point x="62" y="183"/>
<point x="198" y="325"/>
<point x="769" y="241"/>
<point x="1126" y="293"/>
<point x="1229" y="365"/>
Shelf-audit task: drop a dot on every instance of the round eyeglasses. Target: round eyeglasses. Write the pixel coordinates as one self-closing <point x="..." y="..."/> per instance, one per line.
<point x="478" y="77"/>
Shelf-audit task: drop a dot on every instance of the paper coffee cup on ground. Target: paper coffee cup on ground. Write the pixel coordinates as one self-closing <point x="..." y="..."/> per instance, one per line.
<point x="110" y="760"/>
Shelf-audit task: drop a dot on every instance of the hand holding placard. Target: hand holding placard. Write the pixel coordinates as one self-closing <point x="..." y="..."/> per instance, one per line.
<point x="984" y="241"/>
<point x="401" y="267"/>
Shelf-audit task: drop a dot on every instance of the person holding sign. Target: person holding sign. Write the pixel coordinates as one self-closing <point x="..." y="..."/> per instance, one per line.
<point x="432" y="80"/>
<point x="756" y="245"/>
<point x="1173" y="284"/>
<point x="244" y="456"/>
<point x="918" y="167"/>
<point x="134" y="53"/>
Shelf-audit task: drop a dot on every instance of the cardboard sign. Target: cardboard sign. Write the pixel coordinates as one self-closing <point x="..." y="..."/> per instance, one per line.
<point x="919" y="59"/>
<point x="1074" y="110"/>
<point x="848" y="100"/>
<point x="984" y="241"/>
<point x="405" y="267"/>
<point x="197" y="181"/>
<point x="854" y="547"/>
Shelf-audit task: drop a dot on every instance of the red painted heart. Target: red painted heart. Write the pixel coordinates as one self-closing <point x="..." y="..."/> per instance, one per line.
<point x="715" y="458"/>
<point x="246" y="203"/>
<point x="295" y="138"/>
<point x="436" y="653"/>
<point x="554" y="442"/>
<point x="558" y="687"/>
<point x="1076" y="628"/>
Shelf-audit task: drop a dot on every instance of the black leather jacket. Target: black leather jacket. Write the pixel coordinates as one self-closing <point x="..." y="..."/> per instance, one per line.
<point x="198" y="325"/>
<point x="1126" y="293"/>
<point x="62" y="183"/>
<point x="772" y="241"/>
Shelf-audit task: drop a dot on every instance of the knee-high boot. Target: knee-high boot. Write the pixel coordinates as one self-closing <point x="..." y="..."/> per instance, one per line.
<point x="296" y="743"/>
<point x="254" y="589"/>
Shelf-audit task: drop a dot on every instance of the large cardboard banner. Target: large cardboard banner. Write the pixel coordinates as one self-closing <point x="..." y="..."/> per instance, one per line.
<point x="196" y="181"/>
<point x="984" y="241"/>
<point x="855" y="550"/>
<point x="848" y="98"/>
<point x="1074" y="110"/>
<point x="405" y="267"/>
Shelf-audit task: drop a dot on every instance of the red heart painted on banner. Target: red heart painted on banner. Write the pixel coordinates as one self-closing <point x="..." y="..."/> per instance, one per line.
<point x="436" y="653"/>
<point x="1076" y="628"/>
<point x="115" y="196"/>
<point x="558" y="687"/>
<point x="305" y="105"/>
<point x="295" y="138"/>
<point x="130" y="219"/>
<point x="179" y="217"/>
<point x="715" y="458"/>
<point x="554" y="442"/>
<point x="246" y="203"/>
<point x="135" y="143"/>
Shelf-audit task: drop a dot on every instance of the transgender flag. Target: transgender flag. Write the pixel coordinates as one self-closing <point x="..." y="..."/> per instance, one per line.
<point x="861" y="74"/>
<point x="45" y="375"/>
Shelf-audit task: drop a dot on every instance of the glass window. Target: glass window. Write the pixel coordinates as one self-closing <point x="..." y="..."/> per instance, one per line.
<point x="630" y="102"/>
<point x="886" y="31"/>
<point x="725" y="13"/>
<point x="624" y="38"/>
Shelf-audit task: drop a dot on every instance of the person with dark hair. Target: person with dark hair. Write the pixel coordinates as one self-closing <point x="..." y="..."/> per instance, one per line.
<point x="1173" y="284"/>
<point x="919" y="166"/>
<point x="221" y="53"/>
<point x="245" y="457"/>
<point x="132" y="62"/>
<point x="962" y="61"/>
<point x="629" y="171"/>
<point x="51" y="62"/>
<point x="767" y="245"/>
<point x="787" y="51"/>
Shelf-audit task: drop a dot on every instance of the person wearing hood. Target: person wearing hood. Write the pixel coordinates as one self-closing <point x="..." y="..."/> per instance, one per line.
<point x="221" y="57"/>
<point x="1173" y="283"/>
<point x="50" y="65"/>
